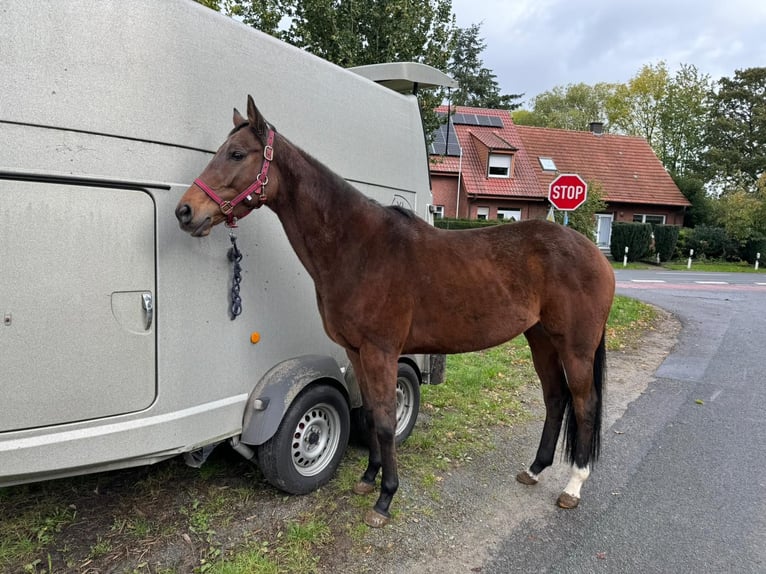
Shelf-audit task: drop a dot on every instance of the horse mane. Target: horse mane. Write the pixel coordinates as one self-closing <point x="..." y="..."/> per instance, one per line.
<point x="340" y="185"/>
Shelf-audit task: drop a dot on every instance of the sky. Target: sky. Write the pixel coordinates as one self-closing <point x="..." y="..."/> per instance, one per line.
<point x="536" y="45"/>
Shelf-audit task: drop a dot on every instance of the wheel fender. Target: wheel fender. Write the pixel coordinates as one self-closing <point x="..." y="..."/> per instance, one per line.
<point x="275" y="392"/>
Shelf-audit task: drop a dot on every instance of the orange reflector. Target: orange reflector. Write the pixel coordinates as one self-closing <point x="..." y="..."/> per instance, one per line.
<point x="255" y="337"/>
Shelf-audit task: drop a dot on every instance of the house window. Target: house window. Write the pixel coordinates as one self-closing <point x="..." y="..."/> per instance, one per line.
<point x="509" y="214"/>
<point x="499" y="165"/>
<point x="653" y="219"/>
<point x="547" y="163"/>
<point x="482" y="213"/>
<point x="438" y="212"/>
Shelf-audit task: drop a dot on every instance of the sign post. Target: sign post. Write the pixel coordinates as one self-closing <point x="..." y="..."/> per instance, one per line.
<point x="567" y="192"/>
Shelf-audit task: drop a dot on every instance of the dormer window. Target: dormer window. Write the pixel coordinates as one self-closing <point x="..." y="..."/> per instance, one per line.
<point x="499" y="165"/>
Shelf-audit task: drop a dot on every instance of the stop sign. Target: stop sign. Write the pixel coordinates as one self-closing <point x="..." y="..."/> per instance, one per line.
<point x="567" y="192"/>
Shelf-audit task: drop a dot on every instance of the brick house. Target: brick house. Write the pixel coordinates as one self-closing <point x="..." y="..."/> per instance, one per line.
<point x="483" y="166"/>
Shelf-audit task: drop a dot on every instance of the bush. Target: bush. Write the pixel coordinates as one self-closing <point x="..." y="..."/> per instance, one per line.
<point x="682" y="249"/>
<point x="711" y="243"/>
<point x="637" y="237"/>
<point x="753" y="246"/>
<point x="665" y="240"/>
<point x="449" y="223"/>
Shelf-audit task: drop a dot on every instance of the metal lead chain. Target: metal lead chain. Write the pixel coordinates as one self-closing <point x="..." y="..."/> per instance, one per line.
<point x="235" y="256"/>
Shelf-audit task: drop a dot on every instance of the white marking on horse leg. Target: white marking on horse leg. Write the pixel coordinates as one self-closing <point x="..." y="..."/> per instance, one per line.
<point x="579" y="476"/>
<point x="532" y="475"/>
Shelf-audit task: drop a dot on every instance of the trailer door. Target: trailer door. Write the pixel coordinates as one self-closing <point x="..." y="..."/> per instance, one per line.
<point x="77" y="297"/>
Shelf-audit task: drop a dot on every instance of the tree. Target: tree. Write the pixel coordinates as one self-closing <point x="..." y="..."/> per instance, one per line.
<point x="571" y="107"/>
<point x="523" y="117"/>
<point x="264" y="15"/>
<point x="635" y="108"/>
<point x="478" y="87"/>
<point x="741" y="214"/>
<point x="683" y="117"/>
<point x="736" y="132"/>
<point x="583" y="219"/>
<point x="693" y="189"/>
<point x="359" y="32"/>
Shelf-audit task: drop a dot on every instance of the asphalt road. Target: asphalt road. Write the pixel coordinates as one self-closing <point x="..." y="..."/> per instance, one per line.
<point x="681" y="485"/>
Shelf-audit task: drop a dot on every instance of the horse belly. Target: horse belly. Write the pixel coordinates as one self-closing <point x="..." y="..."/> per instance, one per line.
<point x="461" y="332"/>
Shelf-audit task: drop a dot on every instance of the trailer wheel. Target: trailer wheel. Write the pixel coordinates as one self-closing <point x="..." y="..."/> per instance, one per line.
<point x="309" y="443"/>
<point x="407" y="406"/>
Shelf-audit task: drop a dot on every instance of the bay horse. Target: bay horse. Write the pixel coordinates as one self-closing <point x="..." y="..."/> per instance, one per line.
<point x="388" y="283"/>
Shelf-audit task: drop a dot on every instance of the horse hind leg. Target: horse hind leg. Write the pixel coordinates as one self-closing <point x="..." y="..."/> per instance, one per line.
<point x="556" y="396"/>
<point x="582" y="443"/>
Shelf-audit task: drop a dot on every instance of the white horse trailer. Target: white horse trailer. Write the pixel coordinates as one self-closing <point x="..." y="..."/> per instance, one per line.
<point x="116" y="346"/>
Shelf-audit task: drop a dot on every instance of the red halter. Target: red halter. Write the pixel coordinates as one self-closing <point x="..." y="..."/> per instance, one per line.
<point x="257" y="187"/>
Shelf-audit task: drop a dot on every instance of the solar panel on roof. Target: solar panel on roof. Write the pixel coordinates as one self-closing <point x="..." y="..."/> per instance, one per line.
<point x="445" y="143"/>
<point x="477" y="120"/>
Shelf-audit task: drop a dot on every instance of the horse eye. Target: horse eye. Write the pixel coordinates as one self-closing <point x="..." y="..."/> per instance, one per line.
<point x="237" y="155"/>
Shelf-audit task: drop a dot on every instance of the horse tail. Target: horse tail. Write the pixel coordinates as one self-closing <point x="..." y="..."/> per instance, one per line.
<point x="599" y="387"/>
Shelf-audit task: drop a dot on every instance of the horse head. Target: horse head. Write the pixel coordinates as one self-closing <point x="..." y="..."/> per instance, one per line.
<point x="235" y="181"/>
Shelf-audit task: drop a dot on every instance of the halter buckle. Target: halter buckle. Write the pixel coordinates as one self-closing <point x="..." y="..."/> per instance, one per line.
<point x="226" y="207"/>
<point x="268" y="153"/>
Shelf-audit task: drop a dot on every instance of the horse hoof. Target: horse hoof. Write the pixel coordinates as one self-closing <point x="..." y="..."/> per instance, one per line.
<point x="567" y="501"/>
<point x="525" y="478"/>
<point x="375" y="519"/>
<point x="363" y="487"/>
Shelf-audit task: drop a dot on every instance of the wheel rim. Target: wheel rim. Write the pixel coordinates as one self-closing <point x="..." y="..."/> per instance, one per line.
<point x="315" y="439"/>
<point x="403" y="404"/>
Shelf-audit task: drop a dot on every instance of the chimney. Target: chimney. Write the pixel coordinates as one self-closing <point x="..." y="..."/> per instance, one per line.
<point x="597" y="128"/>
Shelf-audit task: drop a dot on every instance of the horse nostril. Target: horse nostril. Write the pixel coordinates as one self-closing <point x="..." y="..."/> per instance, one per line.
<point x="184" y="213"/>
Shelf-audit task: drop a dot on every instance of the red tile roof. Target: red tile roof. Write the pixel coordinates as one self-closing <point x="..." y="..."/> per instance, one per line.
<point x="625" y="166"/>
<point x="524" y="182"/>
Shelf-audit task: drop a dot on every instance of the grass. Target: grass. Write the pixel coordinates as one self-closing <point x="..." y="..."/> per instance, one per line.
<point x="711" y="266"/>
<point x="294" y="551"/>
<point x="717" y="266"/>
<point x="87" y="523"/>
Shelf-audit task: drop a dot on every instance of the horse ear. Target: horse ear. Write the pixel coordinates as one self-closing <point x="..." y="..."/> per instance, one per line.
<point x="238" y="119"/>
<point x="257" y="121"/>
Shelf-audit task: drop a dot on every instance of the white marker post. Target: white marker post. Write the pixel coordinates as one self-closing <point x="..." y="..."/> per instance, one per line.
<point x="691" y="254"/>
<point x="757" y="260"/>
<point x="625" y="259"/>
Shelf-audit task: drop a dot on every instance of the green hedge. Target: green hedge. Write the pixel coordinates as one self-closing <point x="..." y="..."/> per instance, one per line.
<point x="754" y="246"/>
<point x="665" y="241"/>
<point x="637" y="237"/>
<point x="711" y="243"/>
<point x="448" y="223"/>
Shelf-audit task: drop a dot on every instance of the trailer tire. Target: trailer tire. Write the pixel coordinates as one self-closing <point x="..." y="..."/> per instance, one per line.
<point x="407" y="407"/>
<point x="310" y="442"/>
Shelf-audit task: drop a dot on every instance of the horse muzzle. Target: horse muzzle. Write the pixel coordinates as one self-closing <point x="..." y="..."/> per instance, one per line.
<point x="185" y="216"/>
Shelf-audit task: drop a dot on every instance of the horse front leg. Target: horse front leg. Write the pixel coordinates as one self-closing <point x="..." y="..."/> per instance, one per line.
<point x="376" y="374"/>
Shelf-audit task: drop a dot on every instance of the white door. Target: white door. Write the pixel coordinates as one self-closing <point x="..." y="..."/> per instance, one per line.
<point x="77" y="274"/>
<point x="603" y="229"/>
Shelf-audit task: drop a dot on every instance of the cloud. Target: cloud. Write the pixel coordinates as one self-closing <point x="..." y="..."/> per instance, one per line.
<point x="533" y="46"/>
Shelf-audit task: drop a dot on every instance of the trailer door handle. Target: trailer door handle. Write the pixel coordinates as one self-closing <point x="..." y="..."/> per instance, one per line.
<point x="148" y="309"/>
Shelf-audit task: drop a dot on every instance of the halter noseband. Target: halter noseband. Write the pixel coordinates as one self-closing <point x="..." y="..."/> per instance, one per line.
<point x="257" y="187"/>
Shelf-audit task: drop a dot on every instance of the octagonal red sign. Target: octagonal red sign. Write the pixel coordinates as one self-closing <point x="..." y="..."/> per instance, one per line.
<point x="568" y="191"/>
